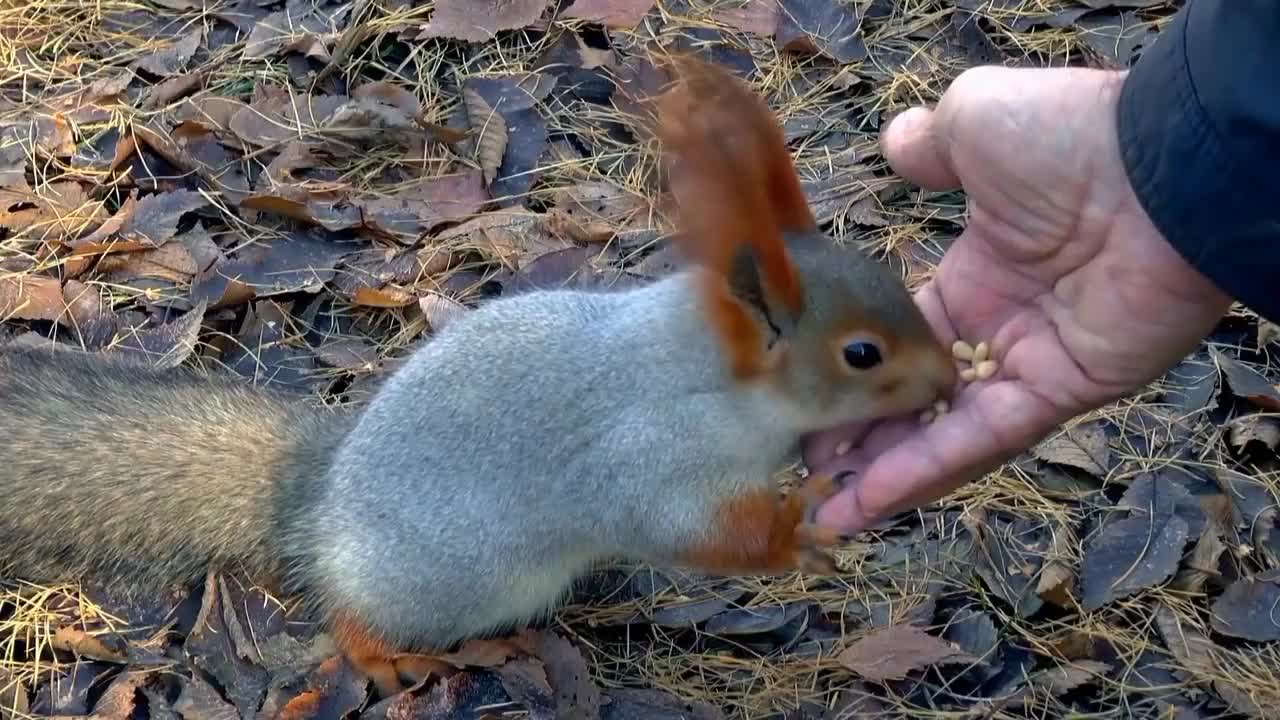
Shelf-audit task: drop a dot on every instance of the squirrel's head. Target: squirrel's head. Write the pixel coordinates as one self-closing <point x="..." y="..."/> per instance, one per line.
<point x="830" y="331"/>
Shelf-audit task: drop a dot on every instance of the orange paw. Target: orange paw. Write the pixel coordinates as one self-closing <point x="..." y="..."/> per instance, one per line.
<point x="812" y="540"/>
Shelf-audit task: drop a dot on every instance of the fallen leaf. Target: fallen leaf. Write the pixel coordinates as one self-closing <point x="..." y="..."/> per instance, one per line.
<point x="759" y="17"/>
<point x="1196" y="653"/>
<point x="649" y="704"/>
<point x="1134" y="553"/>
<point x="480" y="20"/>
<point x="475" y="696"/>
<point x="490" y="130"/>
<point x="1010" y="559"/>
<point x="388" y="296"/>
<point x="620" y="14"/>
<point x="211" y="646"/>
<point x="525" y="680"/>
<point x="274" y="121"/>
<point x="891" y="652"/>
<point x="67" y="693"/>
<point x="1065" y="678"/>
<point x="14" y="702"/>
<point x="1247" y="383"/>
<point x="294" y="262"/>
<point x="334" y="690"/>
<point x="166" y="346"/>
<point x="1115" y="38"/>
<point x="1058" y="576"/>
<point x="1203" y="564"/>
<point x="30" y="297"/>
<point x="55" y="212"/>
<point x="164" y="93"/>
<point x="826" y="27"/>
<point x="575" y="693"/>
<point x="106" y="648"/>
<point x="514" y="98"/>
<point x="1263" y="429"/>
<point x="1084" y="446"/>
<point x="173" y="59"/>
<point x="754" y="620"/>
<point x="1249" y="609"/>
<point x="301" y="28"/>
<point x="439" y="310"/>
<point x="146" y="223"/>
<point x="199" y="701"/>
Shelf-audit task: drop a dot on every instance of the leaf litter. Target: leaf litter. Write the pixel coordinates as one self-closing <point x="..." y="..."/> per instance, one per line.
<point x="298" y="192"/>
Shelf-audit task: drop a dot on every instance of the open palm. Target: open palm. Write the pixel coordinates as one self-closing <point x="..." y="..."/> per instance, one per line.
<point x="1059" y="269"/>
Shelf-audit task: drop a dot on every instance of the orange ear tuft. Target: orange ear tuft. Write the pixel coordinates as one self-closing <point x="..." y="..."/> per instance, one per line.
<point x="737" y="194"/>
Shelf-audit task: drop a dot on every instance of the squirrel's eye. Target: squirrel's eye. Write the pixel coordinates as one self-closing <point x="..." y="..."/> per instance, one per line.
<point x="861" y="355"/>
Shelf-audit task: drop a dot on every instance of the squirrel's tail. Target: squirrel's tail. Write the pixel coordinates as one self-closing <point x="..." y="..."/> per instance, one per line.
<point x="147" y="478"/>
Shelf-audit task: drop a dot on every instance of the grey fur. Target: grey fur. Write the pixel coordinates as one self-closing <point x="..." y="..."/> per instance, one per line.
<point x="532" y="438"/>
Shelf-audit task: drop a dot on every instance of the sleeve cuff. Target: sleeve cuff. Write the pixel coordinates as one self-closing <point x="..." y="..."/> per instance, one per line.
<point x="1207" y="201"/>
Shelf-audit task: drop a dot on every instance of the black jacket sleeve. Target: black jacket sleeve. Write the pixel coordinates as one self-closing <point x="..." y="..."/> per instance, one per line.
<point x="1199" y="128"/>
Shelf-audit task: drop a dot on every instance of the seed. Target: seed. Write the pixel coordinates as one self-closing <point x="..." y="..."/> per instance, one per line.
<point x="961" y="350"/>
<point x="981" y="353"/>
<point x="968" y="375"/>
<point x="941" y="407"/>
<point x="844" y="447"/>
<point x="987" y="368"/>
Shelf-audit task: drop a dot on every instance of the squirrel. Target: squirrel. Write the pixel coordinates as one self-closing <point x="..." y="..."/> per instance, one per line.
<point x="518" y="447"/>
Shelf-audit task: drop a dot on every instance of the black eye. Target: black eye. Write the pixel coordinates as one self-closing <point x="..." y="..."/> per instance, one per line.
<point x="861" y="355"/>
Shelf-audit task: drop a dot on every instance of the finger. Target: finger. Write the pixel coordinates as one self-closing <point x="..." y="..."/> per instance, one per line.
<point x="1002" y="419"/>
<point x="915" y="144"/>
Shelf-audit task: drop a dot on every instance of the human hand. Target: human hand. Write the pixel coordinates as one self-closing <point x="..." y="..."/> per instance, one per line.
<point x="1059" y="269"/>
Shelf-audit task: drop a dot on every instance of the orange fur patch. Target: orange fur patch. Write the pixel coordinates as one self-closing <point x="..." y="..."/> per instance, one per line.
<point x="735" y="187"/>
<point x="369" y="654"/>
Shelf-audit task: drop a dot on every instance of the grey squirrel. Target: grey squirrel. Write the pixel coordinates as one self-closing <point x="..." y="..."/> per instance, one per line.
<point x="527" y="441"/>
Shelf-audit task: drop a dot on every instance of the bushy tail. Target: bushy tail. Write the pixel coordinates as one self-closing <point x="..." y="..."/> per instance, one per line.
<point x="143" y="478"/>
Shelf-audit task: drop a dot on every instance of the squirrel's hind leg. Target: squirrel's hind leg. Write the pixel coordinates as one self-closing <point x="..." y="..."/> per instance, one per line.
<point x="380" y="661"/>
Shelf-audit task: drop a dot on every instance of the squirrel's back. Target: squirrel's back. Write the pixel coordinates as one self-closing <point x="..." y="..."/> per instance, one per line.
<point x="145" y="478"/>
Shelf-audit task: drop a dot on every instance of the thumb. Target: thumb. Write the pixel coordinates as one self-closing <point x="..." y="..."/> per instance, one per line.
<point x="916" y="148"/>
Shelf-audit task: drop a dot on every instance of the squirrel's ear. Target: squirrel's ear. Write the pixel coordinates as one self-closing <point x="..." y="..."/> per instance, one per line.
<point x="738" y="197"/>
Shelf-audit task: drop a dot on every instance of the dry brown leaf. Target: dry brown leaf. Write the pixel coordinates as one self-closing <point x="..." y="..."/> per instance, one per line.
<point x="1262" y="429"/>
<point x="759" y="17"/>
<point x="490" y="129"/>
<point x="440" y="310"/>
<point x="621" y="14"/>
<point x="826" y="27"/>
<point x="891" y="652"/>
<point x="55" y="212"/>
<point x="479" y="20"/>
<point x="173" y="59"/>
<point x="1066" y="678"/>
<point x="1196" y="653"/>
<point x="489" y="652"/>
<point x="166" y="346"/>
<point x="14" y="702"/>
<point x="1203" y="564"/>
<point x="162" y="94"/>
<point x="388" y="296"/>
<point x="1248" y="609"/>
<point x="107" y="648"/>
<point x="1058" y="577"/>
<point x="576" y="694"/>
<point x="1084" y="446"/>
<point x="1247" y="383"/>
<point x="30" y="298"/>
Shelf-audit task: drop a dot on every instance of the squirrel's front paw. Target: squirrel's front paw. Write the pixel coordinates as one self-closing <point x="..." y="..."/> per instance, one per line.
<point x="812" y="539"/>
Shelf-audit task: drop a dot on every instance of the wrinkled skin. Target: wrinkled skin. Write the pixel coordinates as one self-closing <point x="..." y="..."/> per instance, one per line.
<point x="1059" y="268"/>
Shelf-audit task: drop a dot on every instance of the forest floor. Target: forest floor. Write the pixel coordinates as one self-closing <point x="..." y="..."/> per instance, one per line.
<point x="298" y="191"/>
